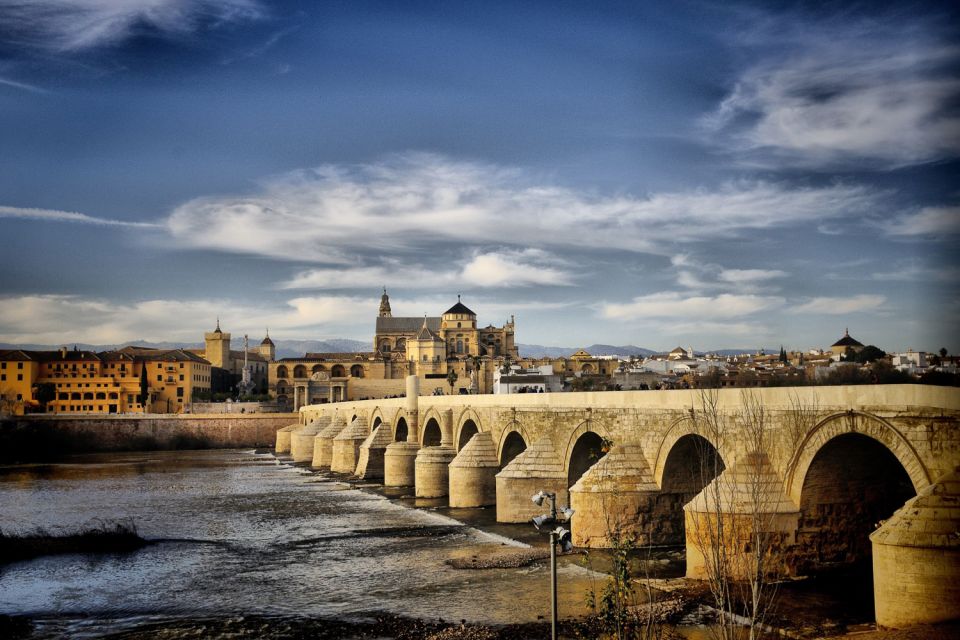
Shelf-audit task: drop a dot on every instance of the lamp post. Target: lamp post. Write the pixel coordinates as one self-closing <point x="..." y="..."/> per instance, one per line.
<point x="558" y="536"/>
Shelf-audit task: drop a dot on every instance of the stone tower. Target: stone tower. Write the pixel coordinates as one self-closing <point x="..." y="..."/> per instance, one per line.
<point x="217" y="348"/>
<point x="267" y="349"/>
<point x="385" y="305"/>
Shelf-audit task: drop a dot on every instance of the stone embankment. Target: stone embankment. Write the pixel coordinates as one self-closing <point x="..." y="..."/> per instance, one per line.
<point x="42" y="437"/>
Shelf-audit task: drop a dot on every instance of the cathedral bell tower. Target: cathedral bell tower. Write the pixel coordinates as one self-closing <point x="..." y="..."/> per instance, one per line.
<point x="385" y="305"/>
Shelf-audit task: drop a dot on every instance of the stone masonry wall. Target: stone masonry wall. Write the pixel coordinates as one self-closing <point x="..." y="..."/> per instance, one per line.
<point x="32" y="438"/>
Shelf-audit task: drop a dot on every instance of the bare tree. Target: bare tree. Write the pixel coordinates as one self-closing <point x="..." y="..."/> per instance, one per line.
<point x="732" y="522"/>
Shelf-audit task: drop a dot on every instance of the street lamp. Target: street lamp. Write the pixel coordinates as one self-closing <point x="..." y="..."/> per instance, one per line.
<point x="558" y="536"/>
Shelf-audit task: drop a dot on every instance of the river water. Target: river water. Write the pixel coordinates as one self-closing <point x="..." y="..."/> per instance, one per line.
<point x="239" y="532"/>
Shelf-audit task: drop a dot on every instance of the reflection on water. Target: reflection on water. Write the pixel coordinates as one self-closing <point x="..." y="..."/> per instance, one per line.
<point x="237" y="532"/>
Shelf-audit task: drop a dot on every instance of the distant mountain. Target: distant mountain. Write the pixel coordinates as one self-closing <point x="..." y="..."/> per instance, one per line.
<point x="540" y="351"/>
<point x="296" y="348"/>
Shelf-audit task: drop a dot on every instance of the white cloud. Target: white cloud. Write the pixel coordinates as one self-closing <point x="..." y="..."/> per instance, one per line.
<point x="867" y="93"/>
<point x="928" y="221"/>
<point x="668" y="304"/>
<point x="750" y="276"/>
<point x="58" y="319"/>
<point x="503" y="268"/>
<point x="419" y="201"/>
<point x="75" y="25"/>
<point x="842" y="305"/>
<point x="699" y="276"/>
<point x="52" y="215"/>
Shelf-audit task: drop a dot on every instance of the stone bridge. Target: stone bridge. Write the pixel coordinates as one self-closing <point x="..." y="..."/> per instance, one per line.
<point x="820" y="470"/>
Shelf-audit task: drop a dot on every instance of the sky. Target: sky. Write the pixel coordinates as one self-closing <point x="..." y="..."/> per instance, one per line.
<point x="718" y="175"/>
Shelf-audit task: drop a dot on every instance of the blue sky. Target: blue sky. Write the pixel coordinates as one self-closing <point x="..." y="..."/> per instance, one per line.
<point x="648" y="173"/>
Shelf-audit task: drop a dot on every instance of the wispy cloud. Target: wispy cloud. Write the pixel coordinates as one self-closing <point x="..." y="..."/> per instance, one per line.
<point x="669" y="304"/>
<point x="22" y="85"/>
<point x="928" y="221"/>
<point x="417" y="201"/>
<point x="842" y="305"/>
<point x="502" y="268"/>
<point x="53" y="215"/>
<point x="701" y="276"/>
<point x="880" y="92"/>
<point x="75" y="25"/>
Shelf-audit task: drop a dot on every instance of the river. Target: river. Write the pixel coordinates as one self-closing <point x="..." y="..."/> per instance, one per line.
<point x="240" y="532"/>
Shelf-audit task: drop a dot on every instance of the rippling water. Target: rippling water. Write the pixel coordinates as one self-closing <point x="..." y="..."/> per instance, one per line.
<point x="237" y="532"/>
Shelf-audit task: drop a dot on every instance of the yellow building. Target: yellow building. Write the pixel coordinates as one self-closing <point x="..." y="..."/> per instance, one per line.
<point x="108" y="382"/>
<point x="18" y="373"/>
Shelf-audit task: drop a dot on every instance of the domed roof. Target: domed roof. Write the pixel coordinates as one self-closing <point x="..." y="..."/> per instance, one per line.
<point x="847" y="341"/>
<point x="459" y="308"/>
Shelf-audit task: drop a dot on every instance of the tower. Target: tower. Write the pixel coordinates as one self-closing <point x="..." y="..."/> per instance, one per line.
<point x="217" y="348"/>
<point x="385" y="305"/>
<point x="267" y="349"/>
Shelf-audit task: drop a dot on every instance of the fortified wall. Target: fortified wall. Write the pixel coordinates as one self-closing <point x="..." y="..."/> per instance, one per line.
<point x="819" y="471"/>
<point x="36" y="437"/>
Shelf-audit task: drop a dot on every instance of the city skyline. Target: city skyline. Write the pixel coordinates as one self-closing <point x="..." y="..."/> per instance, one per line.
<point x="658" y="175"/>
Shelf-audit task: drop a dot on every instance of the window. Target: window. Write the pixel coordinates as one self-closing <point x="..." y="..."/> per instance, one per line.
<point x="3" y="365"/>
<point x="179" y="392"/>
<point x="19" y="396"/>
<point x="160" y="378"/>
<point x="181" y="365"/>
<point x="19" y="376"/>
<point x="181" y="376"/>
<point x="19" y="365"/>
<point x="159" y="365"/>
<point x="129" y="398"/>
<point x="3" y="376"/>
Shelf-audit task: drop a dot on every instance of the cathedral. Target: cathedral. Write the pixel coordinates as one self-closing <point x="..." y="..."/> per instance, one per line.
<point x="453" y="335"/>
<point x="450" y="353"/>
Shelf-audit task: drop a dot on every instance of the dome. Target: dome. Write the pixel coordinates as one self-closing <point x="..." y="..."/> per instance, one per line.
<point x="459" y="308"/>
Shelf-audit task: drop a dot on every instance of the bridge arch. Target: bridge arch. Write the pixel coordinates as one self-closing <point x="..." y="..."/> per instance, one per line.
<point x="401" y="431"/>
<point x="584" y="448"/>
<point x="681" y="428"/>
<point x="853" y="471"/>
<point x="468" y="424"/>
<point x="513" y="441"/>
<point x="431" y="434"/>
<point x="857" y="422"/>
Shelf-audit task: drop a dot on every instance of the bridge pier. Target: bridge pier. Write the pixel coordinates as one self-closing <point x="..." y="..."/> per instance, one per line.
<point x="916" y="558"/>
<point x="400" y="458"/>
<point x="538" y="468"/>
<point x="323" y="443"/>
<point x="616" y="496"/>
<point x="283" y="438"/>
<point x="473" y="473"/>
<point x="301" y="442"/>
<point x="346" y="446"/>
<point x="431" y="468"/>
<point x="370" y="463"/>
<point x="745" y="501"/>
